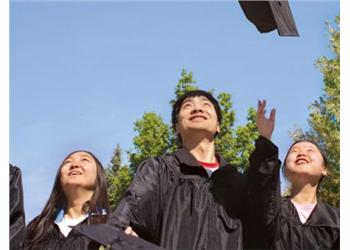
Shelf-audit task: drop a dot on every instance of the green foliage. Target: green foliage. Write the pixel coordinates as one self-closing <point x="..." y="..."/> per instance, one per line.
<point x="324" y="117"/>
<point x="185" y="84"/>
<point x="235" y="145"/>
<point x="116" y="160"/>
<point x="118" y="177"/>
<point x="244" y="141"/>
<point x="117" y="185"/>
<point x="152" y="138"/>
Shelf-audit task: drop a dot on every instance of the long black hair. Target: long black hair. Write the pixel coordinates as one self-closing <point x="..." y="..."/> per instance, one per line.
<point x="97" y="207"/>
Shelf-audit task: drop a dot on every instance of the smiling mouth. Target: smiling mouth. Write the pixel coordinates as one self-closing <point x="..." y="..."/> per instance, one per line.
<point x="301" y="161"/>
<point x="198" y="116"/>
<point x="74" y="173"/>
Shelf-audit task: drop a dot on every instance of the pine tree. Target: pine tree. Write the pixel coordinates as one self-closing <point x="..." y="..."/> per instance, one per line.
<point x="118" y="177"/>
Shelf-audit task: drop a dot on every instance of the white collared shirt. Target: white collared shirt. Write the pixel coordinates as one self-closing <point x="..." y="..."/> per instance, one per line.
<point x="65" y="224"/>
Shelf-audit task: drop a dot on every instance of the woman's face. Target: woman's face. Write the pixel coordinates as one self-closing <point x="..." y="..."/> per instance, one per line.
<point x="305" y="159"/>
<point x="79" y="170"/>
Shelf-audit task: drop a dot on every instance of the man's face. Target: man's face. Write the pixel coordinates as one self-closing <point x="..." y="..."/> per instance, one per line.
<point x="197" y="114"/>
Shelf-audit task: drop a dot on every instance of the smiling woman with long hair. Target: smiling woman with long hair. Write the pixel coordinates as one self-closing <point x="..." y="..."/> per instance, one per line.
<point x="79" y="196"/>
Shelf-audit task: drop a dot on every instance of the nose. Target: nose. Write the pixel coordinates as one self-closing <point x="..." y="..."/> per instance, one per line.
<point x="197" y="108"/>
<point x="75" y="164"/>
<point x="301" y="153"/>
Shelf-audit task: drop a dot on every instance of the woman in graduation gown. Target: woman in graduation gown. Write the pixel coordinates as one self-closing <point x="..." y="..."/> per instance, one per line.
<point x="301" y="220"/>
<point x="79" y="196"/>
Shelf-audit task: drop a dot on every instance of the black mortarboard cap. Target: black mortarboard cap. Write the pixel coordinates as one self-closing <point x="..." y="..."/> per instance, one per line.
<point x="270" y="15"/>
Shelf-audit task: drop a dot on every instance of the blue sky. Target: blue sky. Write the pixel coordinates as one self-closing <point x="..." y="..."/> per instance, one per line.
<point x="81" y="73"/>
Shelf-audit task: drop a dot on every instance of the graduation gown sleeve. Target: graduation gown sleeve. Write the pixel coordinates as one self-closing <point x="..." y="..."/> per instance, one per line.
<point x="17" y="216"/>
<point x="263" y="179"/>
<point x="264" y="196"/>
<point x="139" y="207"/>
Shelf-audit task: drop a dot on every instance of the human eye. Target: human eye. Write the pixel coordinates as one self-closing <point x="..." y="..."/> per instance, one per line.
<point x="67" y="161"/>
<point x="208" y="104"/>
<point x="293" y="151"/>
<point x="186" y="105"/>
<point x="86" y="159"/>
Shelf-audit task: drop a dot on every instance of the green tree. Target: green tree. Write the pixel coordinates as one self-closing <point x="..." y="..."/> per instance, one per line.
<point x="324" y="119"/>
<point x="118" y="177"/>
<point x="244" y="141"/>
<point x="235" y="145"/>
<point x="152" y="139"/>
<point x="186" y="83"/>
<point x="116" y="161"/>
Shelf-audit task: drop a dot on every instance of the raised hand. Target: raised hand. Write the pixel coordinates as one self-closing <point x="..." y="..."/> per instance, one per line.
<point x="265" y="125"/>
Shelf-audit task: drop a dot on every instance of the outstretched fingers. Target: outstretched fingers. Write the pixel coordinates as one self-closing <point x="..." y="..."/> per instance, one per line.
<point x="273" y="115"/>
<point x="261" y="109"/>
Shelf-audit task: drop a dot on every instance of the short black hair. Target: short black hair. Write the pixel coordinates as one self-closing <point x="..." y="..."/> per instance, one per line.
<point x="193" y="93"/>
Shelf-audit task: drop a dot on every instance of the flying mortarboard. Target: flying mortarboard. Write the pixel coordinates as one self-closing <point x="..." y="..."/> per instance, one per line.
<point x="270" y="15"/>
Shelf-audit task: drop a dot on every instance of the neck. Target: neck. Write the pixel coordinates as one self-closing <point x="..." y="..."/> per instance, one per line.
<point x="304" y="194"/>
<point x="202" y="149"/>
<point x="76" y="202"/>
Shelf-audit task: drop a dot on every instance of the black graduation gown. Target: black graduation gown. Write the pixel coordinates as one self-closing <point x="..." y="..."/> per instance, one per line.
<point x="173" y="203"/>
<point x="86" y="236"/>
<point x="284" y="230"/>
<point x="270" y="15"/>
<point x="17" y="216"/>
<point x="113" y="238"/>
<point x="55" y="240"/>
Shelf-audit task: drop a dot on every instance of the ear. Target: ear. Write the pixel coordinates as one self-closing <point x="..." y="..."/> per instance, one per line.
<point x="324" y="172"/>
<point x="218" y="129"/>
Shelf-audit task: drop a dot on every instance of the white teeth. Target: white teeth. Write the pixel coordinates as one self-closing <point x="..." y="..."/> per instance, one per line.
<point x="74" y="173"/>
<point x="194" y="117"/>
<point x="300" y="161"/>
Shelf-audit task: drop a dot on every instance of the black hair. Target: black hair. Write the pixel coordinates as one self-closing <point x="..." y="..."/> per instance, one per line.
<point x="177" y="105"/>
<point x="97" y="207"/>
